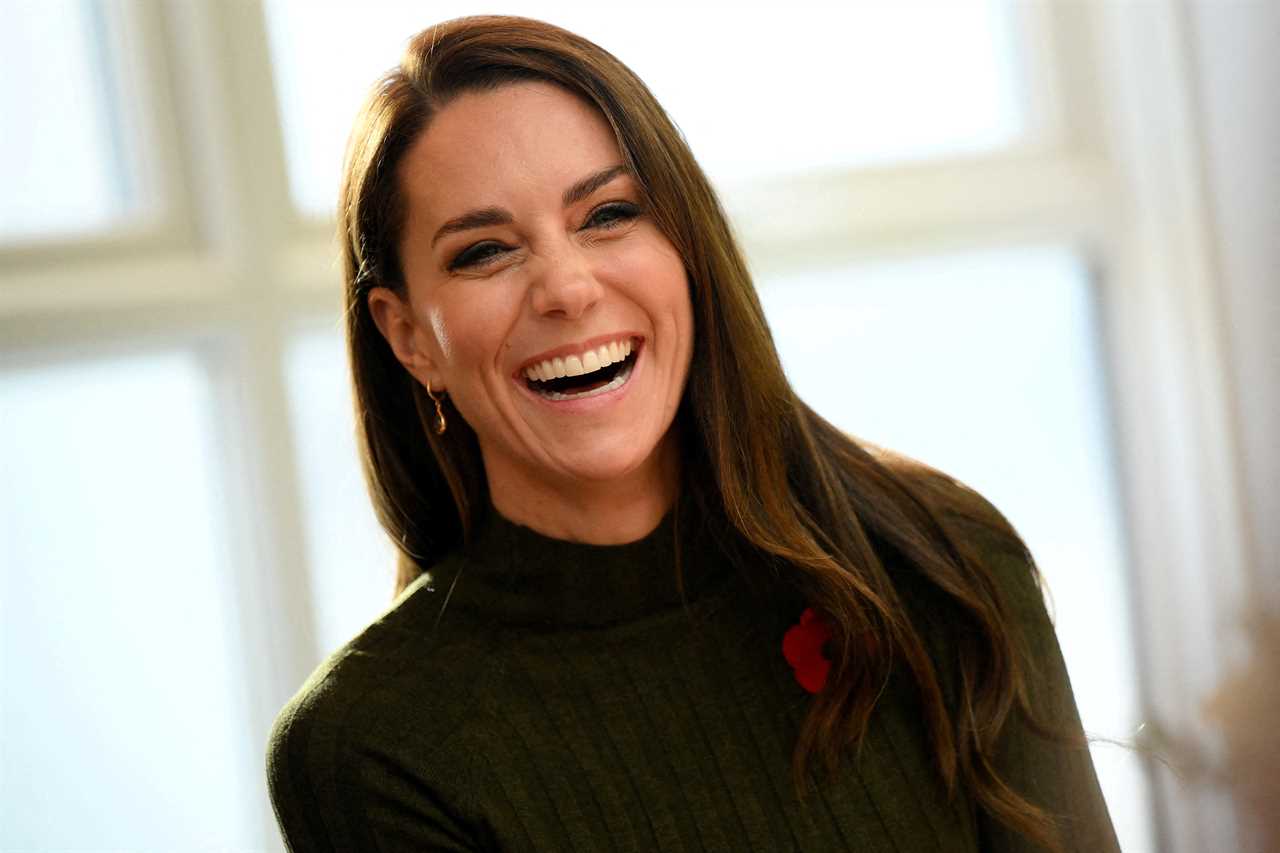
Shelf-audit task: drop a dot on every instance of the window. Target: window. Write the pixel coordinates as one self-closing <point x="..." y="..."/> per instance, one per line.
<point x="67" y="171"/>
<point x="824" y="87"/>
<point x="123" y="718"/>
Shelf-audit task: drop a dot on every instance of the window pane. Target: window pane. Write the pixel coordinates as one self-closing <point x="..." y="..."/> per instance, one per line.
<point x="986" y="366"/>
<point x="121" y="723"/>
<point x="61" y="161"/>
<point x="352" y="561"/>
<point x="757" y="92"/>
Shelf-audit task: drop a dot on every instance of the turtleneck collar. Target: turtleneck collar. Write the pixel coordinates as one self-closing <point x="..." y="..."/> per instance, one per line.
<point x="516" y="575"/>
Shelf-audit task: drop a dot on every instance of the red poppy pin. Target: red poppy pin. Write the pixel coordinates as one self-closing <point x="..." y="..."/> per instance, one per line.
<point x="802" y="647"/>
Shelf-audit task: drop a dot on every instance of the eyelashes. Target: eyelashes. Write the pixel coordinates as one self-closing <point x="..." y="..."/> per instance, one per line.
<point x="611" y="214"/>
<point x="476" y="255"/>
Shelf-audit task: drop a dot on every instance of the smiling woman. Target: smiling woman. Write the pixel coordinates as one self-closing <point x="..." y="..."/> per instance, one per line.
<point x="642" y="583"/>
<point x="537" y="247"/>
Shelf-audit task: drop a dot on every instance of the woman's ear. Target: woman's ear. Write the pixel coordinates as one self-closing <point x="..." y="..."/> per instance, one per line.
<point x="394" y="319"/>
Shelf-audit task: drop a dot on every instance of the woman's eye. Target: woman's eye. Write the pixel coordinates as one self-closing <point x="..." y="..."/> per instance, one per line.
<point x="477" y="255"/>
<point x="612" y="214"/>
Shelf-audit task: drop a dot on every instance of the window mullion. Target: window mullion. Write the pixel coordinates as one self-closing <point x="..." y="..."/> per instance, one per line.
<point x="231" y="134"/>
<point x="237" y="167"/>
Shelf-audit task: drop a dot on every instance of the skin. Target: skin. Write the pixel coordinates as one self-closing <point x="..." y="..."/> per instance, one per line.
<point x="484" y="299"/>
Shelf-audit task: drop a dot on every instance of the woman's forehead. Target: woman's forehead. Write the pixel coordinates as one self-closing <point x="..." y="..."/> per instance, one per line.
<point x="517" y="143"/>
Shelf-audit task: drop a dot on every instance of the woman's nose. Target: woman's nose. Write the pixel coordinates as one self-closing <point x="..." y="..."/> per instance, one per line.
<point x="564" y="284"/>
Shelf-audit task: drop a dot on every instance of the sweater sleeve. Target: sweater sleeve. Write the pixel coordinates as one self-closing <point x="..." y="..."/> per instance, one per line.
<point x="1059" y="777"/>
<point x="335" y="787"/>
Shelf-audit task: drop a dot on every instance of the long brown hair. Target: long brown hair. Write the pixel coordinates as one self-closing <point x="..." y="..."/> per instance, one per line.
<point x="794" y="491"/>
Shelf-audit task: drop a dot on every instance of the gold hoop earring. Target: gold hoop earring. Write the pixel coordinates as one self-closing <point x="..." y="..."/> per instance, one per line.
<point x="441" y="426"/>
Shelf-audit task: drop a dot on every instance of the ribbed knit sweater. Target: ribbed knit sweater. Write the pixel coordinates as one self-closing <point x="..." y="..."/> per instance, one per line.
<point x="572" y="697"/>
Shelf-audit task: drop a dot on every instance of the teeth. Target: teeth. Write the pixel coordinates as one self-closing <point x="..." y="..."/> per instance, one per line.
<point x="588" y="362"/>
<point x="617" y="382"/>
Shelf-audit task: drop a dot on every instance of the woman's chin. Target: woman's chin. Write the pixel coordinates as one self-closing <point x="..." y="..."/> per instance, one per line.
<point x="633" y="458"/>
<point x="605" y="466"/>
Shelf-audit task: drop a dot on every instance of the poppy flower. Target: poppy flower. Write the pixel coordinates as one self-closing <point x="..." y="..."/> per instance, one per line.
<point x="802" y="647"/>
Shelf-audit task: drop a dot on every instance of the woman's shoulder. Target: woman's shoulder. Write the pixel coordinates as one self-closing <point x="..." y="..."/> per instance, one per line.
<point x="336" y="766"/>
<point x="975" y="526"/>
<point x="402" y="678"/>
<point x="965" y="514"/>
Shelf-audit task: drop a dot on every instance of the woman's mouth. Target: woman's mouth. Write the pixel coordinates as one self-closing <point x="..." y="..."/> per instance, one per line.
<point x="585" y="383"/>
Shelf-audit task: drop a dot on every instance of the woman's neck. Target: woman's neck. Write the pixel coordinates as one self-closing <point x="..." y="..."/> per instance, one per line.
<point x="612" y="512"/>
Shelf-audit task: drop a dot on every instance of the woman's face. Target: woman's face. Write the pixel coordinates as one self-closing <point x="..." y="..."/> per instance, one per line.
<point x="526" y="252"/>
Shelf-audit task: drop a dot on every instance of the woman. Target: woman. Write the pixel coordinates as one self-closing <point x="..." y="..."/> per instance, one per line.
<point x="649" y="600"/>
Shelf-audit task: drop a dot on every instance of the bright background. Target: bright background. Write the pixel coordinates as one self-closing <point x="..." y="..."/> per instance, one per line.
<point x="1028" y="243"/>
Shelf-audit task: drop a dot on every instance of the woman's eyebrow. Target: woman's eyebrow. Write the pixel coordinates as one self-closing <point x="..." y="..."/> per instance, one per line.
<point x="482" y="218"/>
<point x="487" y="216"/>
<point x="591" y="183"/>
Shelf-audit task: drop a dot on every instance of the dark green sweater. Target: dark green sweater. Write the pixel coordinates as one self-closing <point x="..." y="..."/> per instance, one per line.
<point x="567" y="700"/>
